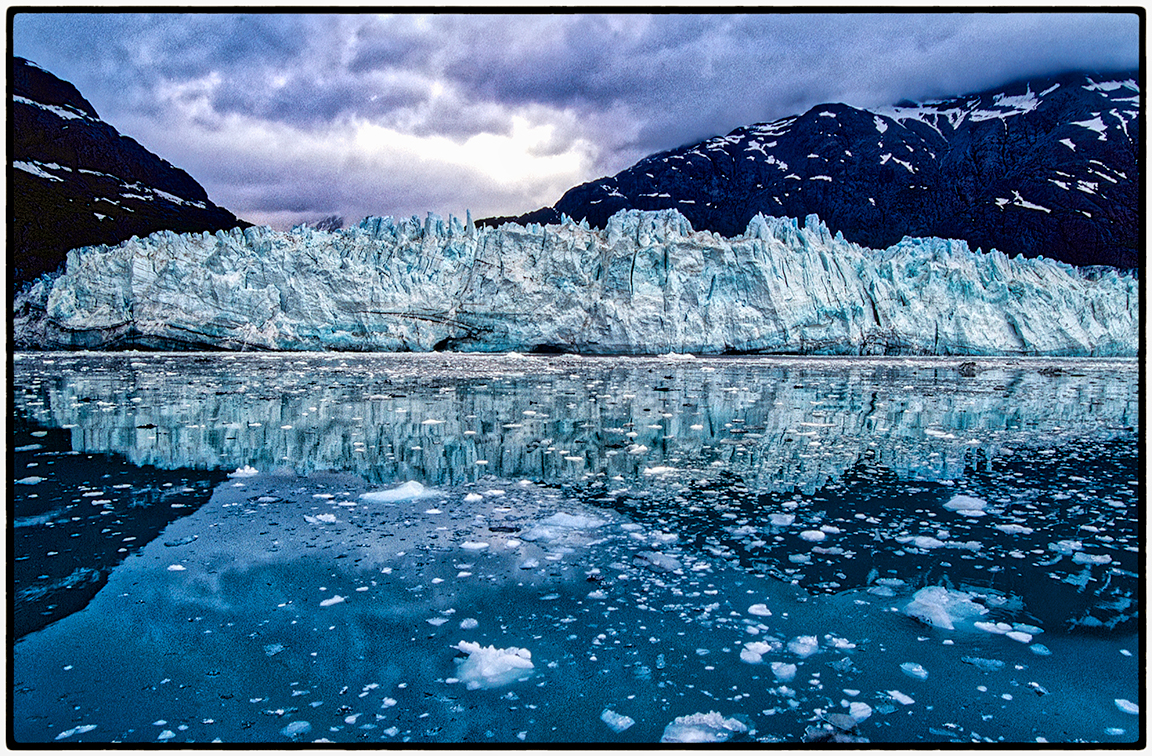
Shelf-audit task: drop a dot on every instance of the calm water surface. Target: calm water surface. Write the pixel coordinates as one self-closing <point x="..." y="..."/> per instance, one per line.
<point x="507" y="549"/>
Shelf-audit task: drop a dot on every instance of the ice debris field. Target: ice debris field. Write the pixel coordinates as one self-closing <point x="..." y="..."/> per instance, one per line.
<point x="924" y="579"/>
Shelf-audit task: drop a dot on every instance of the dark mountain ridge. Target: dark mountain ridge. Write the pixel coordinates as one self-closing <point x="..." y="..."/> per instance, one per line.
<point x="1046" y="166"/>
<point x="76" y="181"/>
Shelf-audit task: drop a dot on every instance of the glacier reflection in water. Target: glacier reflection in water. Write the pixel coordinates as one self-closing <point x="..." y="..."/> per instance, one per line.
<point x="778" y="423"/>
<point x="666" y="537"/>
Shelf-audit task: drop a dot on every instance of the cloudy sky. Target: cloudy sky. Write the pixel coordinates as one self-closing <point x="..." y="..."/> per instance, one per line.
<point x="284" y="118"/>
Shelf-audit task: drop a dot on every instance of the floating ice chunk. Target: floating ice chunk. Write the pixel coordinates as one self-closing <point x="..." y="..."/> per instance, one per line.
<point x="565" y="520"/>
<point x="987" y="665"/>
<point x="273" y="648"/>
<point x="326" y="517"/>
<point x="597" y="595"/>
<point x="247" y="471"/>
<point x="941" y="607"/>
<point x="660" y="470"/>
<point x="31" y="480"/>
<point x="79" y="730"/>
<point x="804" y="645"/>
<point x="1066" y="547"/>
<point x="617" y="722"/>
<point x="472" y="498"/>
<point x="1012" y="529"/>
<point x="331" y="601"/>
<point x="899" y="697"/>
<point x="530" y="564"/>
<point x="436" y="621"/>
<point x="677" y="356"/>
<point x="474" y="545"/>
<point x="813" y="535"/>
<point x="996" y="628"/>
<point x="1127" y="706"/>
<point x="1017" y="635"/>
<point x="176" y="568"/>
<point x="657" y="562"/>
<point x="491" y="667"/>
<point x="760" y="610"/>
<point x="859" y="710"/>
<point x="912" y="669"/>
<point x="410" y="490"/>
<point x="782" y="520"/>
<point x="637" y="449"/>
<point x="753" y="653"/>
<point x="1083" y="557"/>
<point x="166" y="735"/>
<point x="968" y="506"/>
<point x="926" y="542"/>
<point x="469" y="623"/>
<point x="783" y="671"/>
<point x="1040" y="649"/>
<point x="299" y="727"/>
<point x="702" y="728"/>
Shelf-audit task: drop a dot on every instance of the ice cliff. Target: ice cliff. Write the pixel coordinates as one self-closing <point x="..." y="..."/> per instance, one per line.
<point x="646" y="283"/>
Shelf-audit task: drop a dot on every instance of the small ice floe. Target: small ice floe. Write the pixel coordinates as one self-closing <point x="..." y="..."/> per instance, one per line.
<point x="1013" y="529"/>
<point x="597" y="595"/>
<point x="616" y="722"/>
<point x="900" y="698"/>
<point x="753" y="653"/>
<point x="914" y="670"/>
<point x="677" y="356"/>
<point x="491" y="667"/>
<point x="637" y="449"/>
<point x="176" y="568"/>
<point x="804" y="645"/>
<point x="331" y="601"/>
<point x="326" y="517"/>
<point x="472" y="498"/>
<point x="783" y="671"/>
<point x="273" y="648"/>
<point x="299" y="727"/>
<point x="469" y="623"/>
<point x="702" y="728"/>
<point x="79" y="730"/>
<point x="760" y="610"/>
<point x="166" y="735"/>
<point x="656" y="561"/>
<point x="859" y="710"/>
<point x="1040" y="649"/>
<point x="560" y="527"/>
<point x="659" y="470"/>
<point x="404" y="492"/>
<point x="969" y="506"/>
<point x="782" y="520"/>
<point x="988" y="665"/>
<point x="1083" y="557"/>
<point x="942" y="608"/>
<point x="1126" y="706"/>
<point x="475" y="545"/>
<point x="813" y="535"/>
<point x="247" y="471"/>
<point x="31" y="480"/>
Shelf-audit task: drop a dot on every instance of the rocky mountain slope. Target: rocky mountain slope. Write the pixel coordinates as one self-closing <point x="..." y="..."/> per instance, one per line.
<point x="1043" y="167"/>
<point x="76" y="181"/>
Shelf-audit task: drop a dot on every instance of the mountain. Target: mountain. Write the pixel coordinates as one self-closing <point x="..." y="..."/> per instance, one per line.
<point x="645" y="284"/>
<point x="77" y="181"/>
<point x="1042" y="167"/>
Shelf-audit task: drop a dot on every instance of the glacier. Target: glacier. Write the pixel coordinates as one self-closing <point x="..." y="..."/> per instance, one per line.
<point x="645" y="284"/>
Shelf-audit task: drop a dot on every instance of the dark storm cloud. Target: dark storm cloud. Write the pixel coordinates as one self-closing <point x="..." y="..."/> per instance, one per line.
<point x="613" y="86"/>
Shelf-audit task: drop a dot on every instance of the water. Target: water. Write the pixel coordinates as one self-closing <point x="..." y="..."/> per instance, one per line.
<point x="737" y="541"/>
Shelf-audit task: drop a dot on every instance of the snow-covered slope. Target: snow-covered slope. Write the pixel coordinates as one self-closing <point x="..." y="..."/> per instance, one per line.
<point x="647" y="283"/>
<point x="77" y="181"/>
<point x="1042" y="167"/>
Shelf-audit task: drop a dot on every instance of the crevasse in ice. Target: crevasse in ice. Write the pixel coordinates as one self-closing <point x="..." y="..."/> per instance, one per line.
<point x="647" y="283"/>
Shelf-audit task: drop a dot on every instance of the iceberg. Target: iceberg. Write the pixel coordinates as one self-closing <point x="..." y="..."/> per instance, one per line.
<point x="645" y="284"/>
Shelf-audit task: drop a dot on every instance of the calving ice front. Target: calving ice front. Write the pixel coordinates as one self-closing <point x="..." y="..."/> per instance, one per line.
<point x="646" y="283"/>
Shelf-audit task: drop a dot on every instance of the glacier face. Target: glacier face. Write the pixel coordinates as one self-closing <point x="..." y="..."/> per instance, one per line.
<point x="646" y="283"/>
